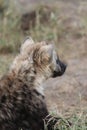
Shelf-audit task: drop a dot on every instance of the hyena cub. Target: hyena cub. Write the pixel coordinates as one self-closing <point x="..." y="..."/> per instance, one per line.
<point x="22" y="101"/>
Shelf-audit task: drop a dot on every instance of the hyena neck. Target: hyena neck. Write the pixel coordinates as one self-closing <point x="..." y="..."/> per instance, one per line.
<point x="31" y="79"/>
<point x="34" y="81"/>
<point x="39" y="84"/>
<point x="26" y="72"/>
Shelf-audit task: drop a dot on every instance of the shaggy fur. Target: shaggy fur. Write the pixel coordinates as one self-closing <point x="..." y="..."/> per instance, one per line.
<point x="22" y="101"/>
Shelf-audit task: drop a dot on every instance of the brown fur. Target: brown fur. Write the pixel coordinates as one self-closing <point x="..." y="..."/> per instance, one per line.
<point x="22" y="102"/>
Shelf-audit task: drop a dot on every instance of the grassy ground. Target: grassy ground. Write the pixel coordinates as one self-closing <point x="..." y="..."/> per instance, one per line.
<point x="59" y="30"/>
<point x="5" y="61"/>
<point x="77" y="121"/>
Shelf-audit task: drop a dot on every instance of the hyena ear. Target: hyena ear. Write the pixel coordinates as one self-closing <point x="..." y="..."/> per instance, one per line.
<point x="49" y="49"/>
<point x="26" y="44"/>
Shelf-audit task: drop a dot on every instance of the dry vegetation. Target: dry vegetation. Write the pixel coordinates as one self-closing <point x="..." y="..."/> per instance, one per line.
<point x="58" y="28"/>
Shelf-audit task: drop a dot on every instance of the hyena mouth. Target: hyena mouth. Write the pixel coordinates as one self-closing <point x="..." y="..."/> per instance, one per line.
<point x="61" y="71"/>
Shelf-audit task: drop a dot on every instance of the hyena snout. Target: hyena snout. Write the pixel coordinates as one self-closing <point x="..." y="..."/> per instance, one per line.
<point x="60" y="68"/>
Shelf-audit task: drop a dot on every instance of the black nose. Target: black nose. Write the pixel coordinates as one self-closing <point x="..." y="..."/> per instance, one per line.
<point x="62" y="69"/>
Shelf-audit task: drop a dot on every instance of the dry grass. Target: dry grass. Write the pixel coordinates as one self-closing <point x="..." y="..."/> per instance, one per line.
<point x="76" y="121"/>
<point x="11" y="37"/>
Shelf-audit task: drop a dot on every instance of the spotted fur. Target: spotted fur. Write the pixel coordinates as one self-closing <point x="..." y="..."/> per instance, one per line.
<point x="22" y="100"/>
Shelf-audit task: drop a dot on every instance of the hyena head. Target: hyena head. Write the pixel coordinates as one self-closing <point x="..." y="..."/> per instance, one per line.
<point x="41" y="59"/>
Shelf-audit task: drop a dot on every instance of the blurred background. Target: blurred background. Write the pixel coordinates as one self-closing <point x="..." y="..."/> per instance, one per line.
<point x="64" y="22"/>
